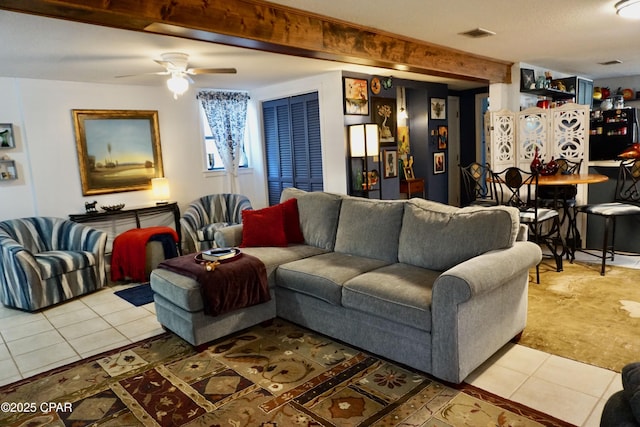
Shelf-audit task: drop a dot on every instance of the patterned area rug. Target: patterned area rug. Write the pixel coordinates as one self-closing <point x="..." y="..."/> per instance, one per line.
<point x="580" y="315"/>
<point x="272" y="375"/>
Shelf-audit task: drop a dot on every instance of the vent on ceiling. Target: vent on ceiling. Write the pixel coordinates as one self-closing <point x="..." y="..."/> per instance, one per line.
<point x="613" y="62"/>
<point x="478" y="32"/>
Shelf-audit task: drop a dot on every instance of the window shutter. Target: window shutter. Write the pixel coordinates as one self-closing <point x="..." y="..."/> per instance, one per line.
<point x="292" y="144"/>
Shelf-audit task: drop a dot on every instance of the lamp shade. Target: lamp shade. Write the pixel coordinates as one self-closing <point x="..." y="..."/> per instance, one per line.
<point x="364" y="140"/>
<point x="177" y="84"/>
<point x="628" y="8"/>
<point x="160" y="190"/>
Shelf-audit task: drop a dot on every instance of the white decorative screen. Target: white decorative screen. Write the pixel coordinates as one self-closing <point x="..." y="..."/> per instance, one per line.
<point x="570" y="130"/>
<point x="533" y="132"/>
<point x="501" y="134"/>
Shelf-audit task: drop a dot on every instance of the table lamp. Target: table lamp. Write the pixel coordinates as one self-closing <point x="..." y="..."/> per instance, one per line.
<point x="160" y="190"/>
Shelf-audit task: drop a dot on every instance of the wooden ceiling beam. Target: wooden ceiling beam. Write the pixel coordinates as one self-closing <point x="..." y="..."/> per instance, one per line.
<point x="270" y="27"/>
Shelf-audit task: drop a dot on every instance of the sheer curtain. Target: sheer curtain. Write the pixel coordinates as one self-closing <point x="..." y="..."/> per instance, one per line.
<point x="226" y="114"/>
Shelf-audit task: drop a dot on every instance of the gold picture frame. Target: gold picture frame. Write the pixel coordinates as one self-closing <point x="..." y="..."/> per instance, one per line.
<point x="118" y="150"/>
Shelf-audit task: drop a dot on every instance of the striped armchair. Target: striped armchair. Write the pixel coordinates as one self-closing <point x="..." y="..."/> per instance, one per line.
<point x="45" y="260"/>
<point x="203" y="217"/>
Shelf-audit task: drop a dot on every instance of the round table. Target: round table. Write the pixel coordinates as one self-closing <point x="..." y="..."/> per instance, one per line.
<point x="572" y="179"/>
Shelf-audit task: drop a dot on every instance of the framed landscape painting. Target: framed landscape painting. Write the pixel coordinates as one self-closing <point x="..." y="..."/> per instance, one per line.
<point x="118" y="150"/>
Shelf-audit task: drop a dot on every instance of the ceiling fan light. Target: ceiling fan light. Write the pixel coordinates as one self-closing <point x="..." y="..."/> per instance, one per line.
<point x="177" y="84"/>
<point x="628" y="9"/>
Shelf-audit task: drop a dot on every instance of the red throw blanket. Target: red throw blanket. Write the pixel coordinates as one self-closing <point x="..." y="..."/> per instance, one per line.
<point x="129" y="255"/>
<point x="236" y="283"/>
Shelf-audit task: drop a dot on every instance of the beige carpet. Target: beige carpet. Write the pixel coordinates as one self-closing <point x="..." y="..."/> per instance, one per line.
<point x="581" y="315"/>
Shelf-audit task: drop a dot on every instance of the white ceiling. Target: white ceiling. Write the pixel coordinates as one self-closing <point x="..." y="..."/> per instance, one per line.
<point x="569" y="36"/>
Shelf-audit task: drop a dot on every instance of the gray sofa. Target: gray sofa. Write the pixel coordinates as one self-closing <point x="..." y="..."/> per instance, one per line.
<point x="432" y="286"/>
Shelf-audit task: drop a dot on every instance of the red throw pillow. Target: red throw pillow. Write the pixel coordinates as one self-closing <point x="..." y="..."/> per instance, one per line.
<point x="263" y="227"/>
<point x="292" y="221"/>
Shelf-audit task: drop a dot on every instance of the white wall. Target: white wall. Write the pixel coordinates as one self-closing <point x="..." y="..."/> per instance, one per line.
<point x="46" y="157"/>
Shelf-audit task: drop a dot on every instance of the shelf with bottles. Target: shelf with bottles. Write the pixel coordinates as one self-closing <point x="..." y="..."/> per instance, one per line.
<point x="8" y="170"/>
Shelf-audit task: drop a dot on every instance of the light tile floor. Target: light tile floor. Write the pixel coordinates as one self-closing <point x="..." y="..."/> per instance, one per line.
<point x="35" y="343"/>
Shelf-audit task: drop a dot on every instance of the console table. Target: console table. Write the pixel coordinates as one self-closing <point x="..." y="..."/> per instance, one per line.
<point x="134" y="212"/>
<point x="410" y="186"/>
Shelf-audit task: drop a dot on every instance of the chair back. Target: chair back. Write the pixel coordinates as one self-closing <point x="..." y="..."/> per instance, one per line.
<point x="478" y="187"/>
<point x="628" y="183"/>
<point x="516" y="187"/>
<point x="557" y="195"/>
<point x="568" y="167"/>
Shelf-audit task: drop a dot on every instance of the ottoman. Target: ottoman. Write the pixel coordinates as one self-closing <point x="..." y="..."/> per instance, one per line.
<point x="180" y="309"/>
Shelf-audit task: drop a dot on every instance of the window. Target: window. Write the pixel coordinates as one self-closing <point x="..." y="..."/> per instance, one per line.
<point x="213" y="160"/>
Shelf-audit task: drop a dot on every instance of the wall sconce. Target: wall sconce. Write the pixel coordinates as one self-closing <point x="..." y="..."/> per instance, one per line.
<point x="364" y="142"/>
<point x="628" y="8"/>
<point x="160" y="190"/>
<point x="178" y="84"/>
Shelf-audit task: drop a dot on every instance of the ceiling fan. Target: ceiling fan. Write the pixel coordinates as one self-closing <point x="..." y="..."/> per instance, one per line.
<point x="175" y="64"/>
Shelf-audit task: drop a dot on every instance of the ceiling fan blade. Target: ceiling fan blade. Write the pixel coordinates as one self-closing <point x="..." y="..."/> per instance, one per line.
<point x="194" y="71"/>
<point x="159" y="73"/>
<point x="165" y="64"/>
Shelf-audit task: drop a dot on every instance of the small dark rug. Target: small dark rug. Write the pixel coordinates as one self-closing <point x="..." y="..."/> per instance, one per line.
<point x="137" y="295"/>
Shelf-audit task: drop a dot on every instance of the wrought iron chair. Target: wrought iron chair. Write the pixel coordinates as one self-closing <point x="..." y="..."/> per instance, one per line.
<point x="518" y="188"/>
<point x="477" y="186"/>
<point x="626" y="202"/>
<point x="563" y="199"/>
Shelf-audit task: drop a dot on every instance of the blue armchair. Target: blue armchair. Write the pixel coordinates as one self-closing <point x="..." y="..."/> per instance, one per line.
<point x="208" y="214"/>
<point x="45" y="260"/>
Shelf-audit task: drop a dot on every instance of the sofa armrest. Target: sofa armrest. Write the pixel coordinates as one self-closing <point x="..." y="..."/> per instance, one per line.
<point x="228" y="236"/>
<point x="484" y="273"/>
<point x="478" y="306"/>
<point x="18" y="270"/>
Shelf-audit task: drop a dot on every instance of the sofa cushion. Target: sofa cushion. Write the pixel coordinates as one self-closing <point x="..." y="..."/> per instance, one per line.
<point x="319" y="214"/>
<point x="322" y="276"/>
<point x="370" y="228"/>
<point x="272" y="257"/>
<point x="437" y="237"/>
<point x="57" y="263"/>
<point x="397" y="292"/>
<point x="263" y="227"/>
<point x="206" y="233"/>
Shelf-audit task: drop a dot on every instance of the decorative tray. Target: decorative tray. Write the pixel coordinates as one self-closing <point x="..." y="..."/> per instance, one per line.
<point x="229" y="255"/>
<point x="113" y="208"/>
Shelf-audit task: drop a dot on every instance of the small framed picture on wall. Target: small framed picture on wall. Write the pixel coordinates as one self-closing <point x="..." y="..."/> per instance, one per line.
<point x="390" y="159"/>
<point x="438" y="163"/>
<point x="443" y="137"/>
<point x="438" y="109"/>
<point x="356" y="96"/>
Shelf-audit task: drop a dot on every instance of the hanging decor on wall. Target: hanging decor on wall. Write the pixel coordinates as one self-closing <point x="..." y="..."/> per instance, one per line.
<point x="118" y="150"/>
<point x="404" y="147"/>
<point x="443" y="137"/>
<point x="438" y="163"/>
<point x="383" y="113"/>
<point x="356" y="96"/>
<point x="438" y="109"/>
